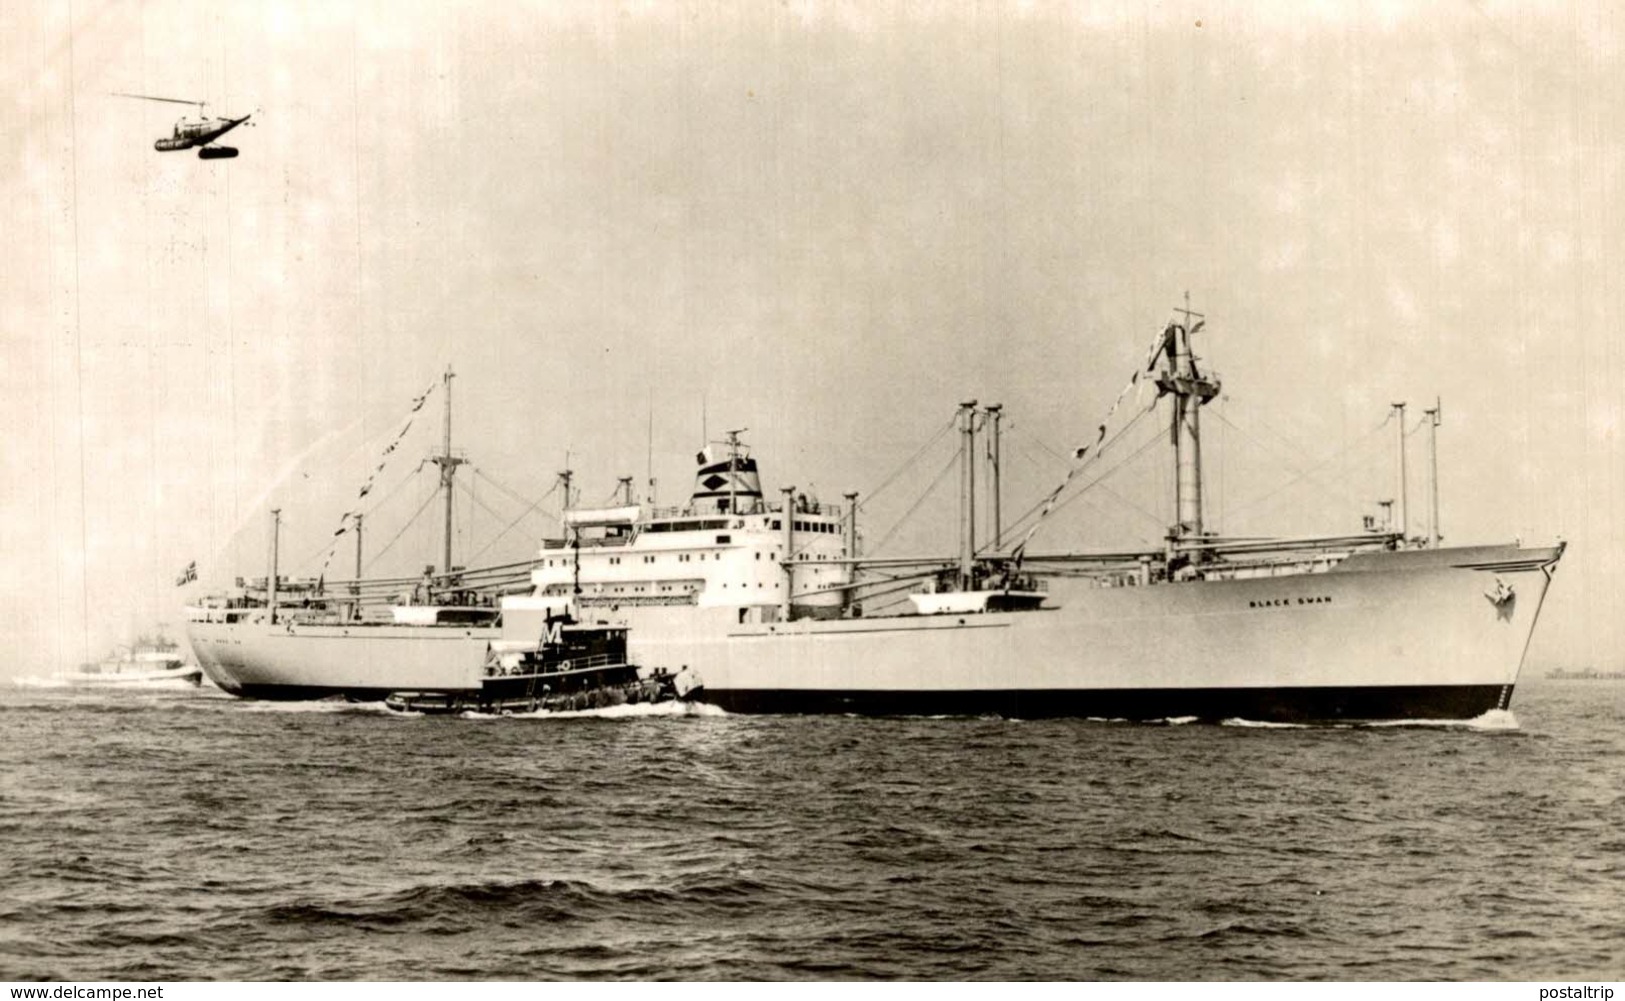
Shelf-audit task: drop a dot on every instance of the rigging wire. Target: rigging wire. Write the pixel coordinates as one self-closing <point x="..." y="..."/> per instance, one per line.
<point x="327" y="548"/>
<point x="409" y="523"/>
<point x="1293" y="451"/>
<point x="1058" y="501"/>
<point x="1017" y="526"/>
<point x="333" y="542"/>
<point x="533" y="508"/>
<point x="1150" y="516"/>
<point x="1056" y="453"/>
<point x="946" y="427"/>
<point x="1020" y="523"/>
<point x="952" y="461"/>
<point x="1356" y="447"/>
<point x="468" y="489"/>
<point x="1150" y="441"/>
<point x="487" y="508"/>
<point x="516" y="498"/>
<point x="1052" y="498"/>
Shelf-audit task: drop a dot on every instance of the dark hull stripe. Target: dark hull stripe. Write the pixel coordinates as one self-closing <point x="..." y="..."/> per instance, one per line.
<point x="1283" y="705"/>
<point x="1277" y="705"/>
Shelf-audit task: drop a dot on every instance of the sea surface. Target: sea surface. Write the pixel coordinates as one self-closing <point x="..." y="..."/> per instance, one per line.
<point x="185" y="835"/>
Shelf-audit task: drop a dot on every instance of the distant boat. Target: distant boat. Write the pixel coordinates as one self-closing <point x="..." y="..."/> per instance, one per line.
<point x="150" y="660"/>
<point x="1585" y="674"/>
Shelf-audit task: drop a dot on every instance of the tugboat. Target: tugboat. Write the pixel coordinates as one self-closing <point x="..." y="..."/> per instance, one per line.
<point x="147" y="661"/>
<point x="574" y="667"/>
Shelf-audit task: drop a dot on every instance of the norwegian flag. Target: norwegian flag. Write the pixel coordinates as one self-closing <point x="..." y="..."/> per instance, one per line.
<point x="188" y="575"/>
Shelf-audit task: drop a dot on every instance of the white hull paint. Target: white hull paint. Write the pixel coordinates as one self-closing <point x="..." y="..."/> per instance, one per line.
<point x="1389" y="623"/>
<point x="301" y="661"/>
<point x="1429" y="633"/>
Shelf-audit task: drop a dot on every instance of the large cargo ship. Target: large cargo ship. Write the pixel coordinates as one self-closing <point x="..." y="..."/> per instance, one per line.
<point x="767" y="603"/>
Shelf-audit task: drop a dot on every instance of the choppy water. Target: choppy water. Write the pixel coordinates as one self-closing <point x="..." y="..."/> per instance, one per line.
<point x="185" y="835"/>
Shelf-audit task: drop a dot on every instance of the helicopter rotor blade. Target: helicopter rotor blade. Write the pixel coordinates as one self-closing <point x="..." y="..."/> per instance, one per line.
<point x="166" y="100"/>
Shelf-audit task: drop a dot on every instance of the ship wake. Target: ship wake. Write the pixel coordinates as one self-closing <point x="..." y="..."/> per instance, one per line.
<point x="329" y="706"/>
<point x="1493" y="720"/>
<point x="638" y="710"/>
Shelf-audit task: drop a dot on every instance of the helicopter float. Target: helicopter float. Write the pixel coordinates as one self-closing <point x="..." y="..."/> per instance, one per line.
<point x="200" y="133"/>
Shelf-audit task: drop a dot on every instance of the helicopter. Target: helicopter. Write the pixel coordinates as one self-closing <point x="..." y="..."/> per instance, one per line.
<point x="200" y="133"/>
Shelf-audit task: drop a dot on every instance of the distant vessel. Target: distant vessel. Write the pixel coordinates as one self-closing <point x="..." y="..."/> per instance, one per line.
<point x="1585" y="674"/>
<point x="766" y="603"/>
<point x="150" y="660"/>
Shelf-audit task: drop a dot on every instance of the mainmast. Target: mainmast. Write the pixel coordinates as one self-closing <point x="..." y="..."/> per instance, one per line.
<point x="572" y="531"/>
<point x="355" y="588"/>
<point x="276" y="547"/>
<point x="448" y="464"/>
<point x="967" y="504"/>
<point x="566" y="476"/>
<point x="1434" y="417"/>
<point x="786" y="604"/>
<point x="996" y="411"/>
<point x="850" y="595"/>
<point x="1400" y="524"/>
<point x="1190" y="389"/>
<point x="733" y="468"/>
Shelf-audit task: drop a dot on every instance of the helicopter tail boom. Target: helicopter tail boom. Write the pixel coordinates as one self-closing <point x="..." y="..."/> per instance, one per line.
<point x="166" y="100"/>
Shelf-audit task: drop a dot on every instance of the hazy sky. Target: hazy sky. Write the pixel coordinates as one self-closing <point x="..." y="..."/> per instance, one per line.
<point x="827" y="223"/>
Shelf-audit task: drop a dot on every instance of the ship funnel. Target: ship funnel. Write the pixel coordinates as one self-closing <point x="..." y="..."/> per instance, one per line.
<point x="727" y="480"/>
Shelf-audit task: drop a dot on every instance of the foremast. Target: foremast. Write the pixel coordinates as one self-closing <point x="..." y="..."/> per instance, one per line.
<point x="448" y="464"/>
<point x="967" y="497"/>
<point x="1190" y="388"/>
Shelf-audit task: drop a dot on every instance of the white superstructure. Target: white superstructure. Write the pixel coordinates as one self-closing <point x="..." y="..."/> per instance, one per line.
<point x="728" y="548"/>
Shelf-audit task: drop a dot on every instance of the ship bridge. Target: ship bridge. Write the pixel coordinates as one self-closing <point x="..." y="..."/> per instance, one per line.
<point x="729" y="485"/>
<point x="728" y="548"/>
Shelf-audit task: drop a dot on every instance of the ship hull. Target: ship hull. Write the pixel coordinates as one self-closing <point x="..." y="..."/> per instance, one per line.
<point x="1430" y="634"/>
<point x="1425" y="634"/>
<point x="288" y="662"/>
